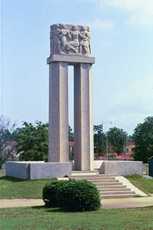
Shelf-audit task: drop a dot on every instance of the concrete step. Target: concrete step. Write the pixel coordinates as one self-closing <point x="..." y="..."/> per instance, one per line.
<point x="113" y="189"/>
<point x="116" y="192"/>
<point x="102" y="179"/>
<point x="110" y="186"/>
<point x="107" y="186"/>
<point x="85" y="173"/>
<point x="106" y="183"/>
<point x="92" y="177"/>
<point x="117" y="196"/>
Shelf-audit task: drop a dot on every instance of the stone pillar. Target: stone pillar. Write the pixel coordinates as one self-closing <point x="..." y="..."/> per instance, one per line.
<point x="70" y="45"/>
<point x="58" y="112"/>
<point x="83" y="127"/>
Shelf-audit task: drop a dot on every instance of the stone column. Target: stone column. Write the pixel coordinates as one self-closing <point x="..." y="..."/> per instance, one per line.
<point x="58" y="112"/>
<point x="83" y="127"/>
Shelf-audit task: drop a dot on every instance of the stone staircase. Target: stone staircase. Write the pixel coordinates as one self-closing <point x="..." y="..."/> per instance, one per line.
<point x="107" y="186"/>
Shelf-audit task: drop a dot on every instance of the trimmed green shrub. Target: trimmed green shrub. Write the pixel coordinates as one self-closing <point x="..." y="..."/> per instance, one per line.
<point x="79" y="195"/>
<point x="51" y="193"/>
<point x="71" y="195"/>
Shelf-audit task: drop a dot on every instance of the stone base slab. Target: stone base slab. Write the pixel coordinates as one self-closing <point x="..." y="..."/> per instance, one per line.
<point x="121" y="168"/>
<point x="37" y="170"/>
<point x="71" y="59"/>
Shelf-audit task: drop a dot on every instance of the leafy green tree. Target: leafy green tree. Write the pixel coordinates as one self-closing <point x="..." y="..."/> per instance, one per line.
<point x="116" y="139"/>
<point x="99" y="140"/>
<point x="143" y="138"/>
<point x="32" y="141"/>
<point x="71" y="134"/>
<point x="6" y="135"/>
<point x="71" y="140"/>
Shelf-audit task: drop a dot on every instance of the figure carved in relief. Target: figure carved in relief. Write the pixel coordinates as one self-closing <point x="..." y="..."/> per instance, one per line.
<point x="75" y="39"/>
<point x="67" y="40"/>
<point x="62" y="36"/>
<point x="71" y="40"/>
<point x="84" y="41"/>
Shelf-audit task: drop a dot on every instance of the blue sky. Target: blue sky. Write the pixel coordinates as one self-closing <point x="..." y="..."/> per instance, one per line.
<point x="122" y="35"/>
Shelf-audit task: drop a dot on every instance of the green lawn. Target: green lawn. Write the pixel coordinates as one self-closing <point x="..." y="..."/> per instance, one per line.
<point x="142" y="183"/>
<point x="49" y="219"/>
<point x="2" y="173"/>
<point x="15" y="188"/>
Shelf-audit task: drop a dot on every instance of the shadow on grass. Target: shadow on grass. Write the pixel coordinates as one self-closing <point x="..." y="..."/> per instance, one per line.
<point x="47" y="209"/>
<point x="39" y="207"/>
<point x="13" y="179"/>
<point x="59" y="210"/>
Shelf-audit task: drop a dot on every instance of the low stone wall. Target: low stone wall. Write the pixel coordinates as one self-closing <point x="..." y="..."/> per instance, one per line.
<point x="97" y="164"/>
<point x="121" y="168"/>
<point x="37" y="170"/>
<point x="40" y="170"/>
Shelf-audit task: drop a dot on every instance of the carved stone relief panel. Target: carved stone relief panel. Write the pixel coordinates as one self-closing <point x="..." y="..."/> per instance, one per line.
<point x="70" y="39"/>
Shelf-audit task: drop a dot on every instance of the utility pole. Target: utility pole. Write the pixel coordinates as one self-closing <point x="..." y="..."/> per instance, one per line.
<point x="107" y="147"/>
<point x="2" y="56"/>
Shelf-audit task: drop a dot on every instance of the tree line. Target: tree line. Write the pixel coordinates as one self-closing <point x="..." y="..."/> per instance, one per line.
<point x="30" y="141"/>
<point x="113" y="141"/>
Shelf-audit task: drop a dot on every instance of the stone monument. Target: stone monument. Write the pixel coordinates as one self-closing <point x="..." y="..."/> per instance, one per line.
<point x="70" y="45"/>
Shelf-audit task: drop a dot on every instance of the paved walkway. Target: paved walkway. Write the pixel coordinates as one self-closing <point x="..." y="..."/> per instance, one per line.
<point x="106" y="203"/>
<point x="134" y="202"/>
<point x="13" y="203"/>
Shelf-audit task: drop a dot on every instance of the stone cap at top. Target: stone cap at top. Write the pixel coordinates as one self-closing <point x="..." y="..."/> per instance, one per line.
<point x="70" y="41"/>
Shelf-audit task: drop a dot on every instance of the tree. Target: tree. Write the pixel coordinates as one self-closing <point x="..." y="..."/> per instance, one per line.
<point x="32" y="141"/>
<point x="116" y="139"/>
<point x="7" y="146"/>
<point x="99" y="140"/>
<point x="71" y="134"/>
<point x="143" y="138"/>
<point x="71" y="140"/>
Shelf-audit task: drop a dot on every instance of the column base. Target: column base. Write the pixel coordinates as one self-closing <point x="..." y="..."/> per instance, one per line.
<point x="84" y="173"/>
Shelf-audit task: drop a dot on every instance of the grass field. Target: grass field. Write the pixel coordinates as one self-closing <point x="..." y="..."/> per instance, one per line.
<point x="15" y="188"/>
<point x="142" y="183"/>
<point x="2" y="173"/>
<point x="40" y="218"/>
<point x="49" y="219"/>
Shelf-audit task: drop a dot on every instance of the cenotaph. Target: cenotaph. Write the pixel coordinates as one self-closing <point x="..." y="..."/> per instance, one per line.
<point x="70" y="45"/>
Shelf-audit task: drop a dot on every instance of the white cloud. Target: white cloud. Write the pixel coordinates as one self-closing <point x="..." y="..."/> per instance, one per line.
<point x="102" y="24"/>
<point x="139" y="11"/>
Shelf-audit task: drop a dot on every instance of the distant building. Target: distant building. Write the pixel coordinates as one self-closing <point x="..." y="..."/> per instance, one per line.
<point x="130" y="147"/>
<point x="9" y="152"/>
<point x="71" y="146"/>
<point x="127" y="155"/>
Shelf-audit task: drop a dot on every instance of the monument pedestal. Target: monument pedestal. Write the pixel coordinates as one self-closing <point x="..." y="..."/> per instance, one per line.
<point x="119" y="168"/>
<point x="30" y="170"/>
